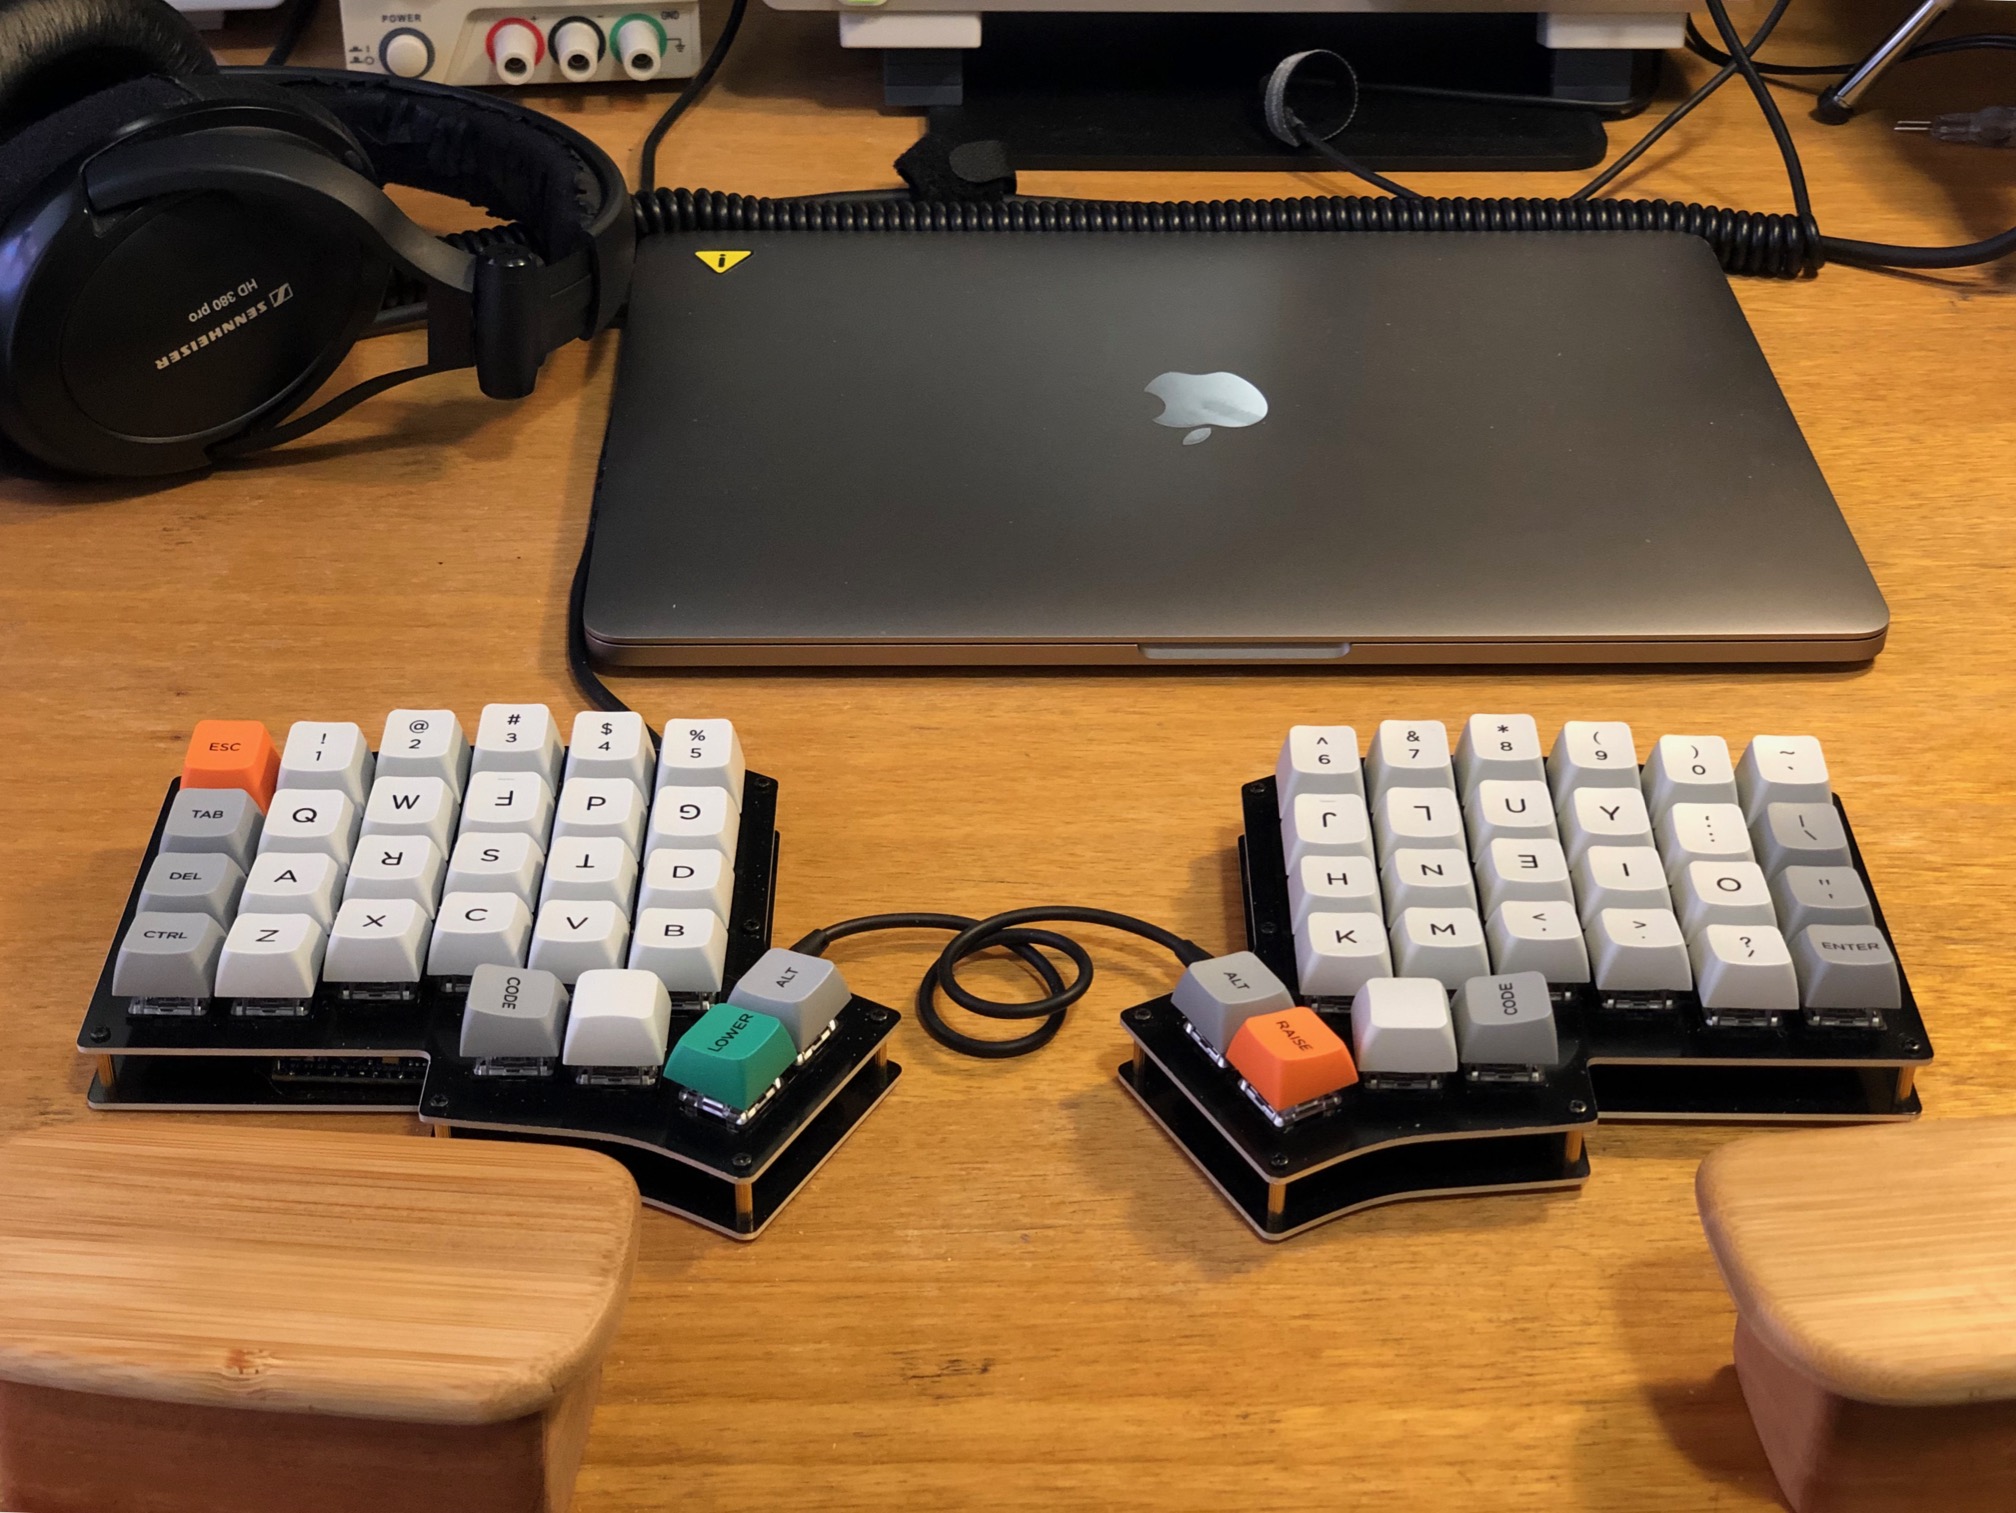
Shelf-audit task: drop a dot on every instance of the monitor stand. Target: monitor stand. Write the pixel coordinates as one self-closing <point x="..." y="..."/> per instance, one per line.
<point x="1145" y="92"/>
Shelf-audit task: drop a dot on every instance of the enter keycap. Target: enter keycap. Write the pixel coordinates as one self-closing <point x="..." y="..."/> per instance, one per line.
<point x="1290" y="1057"/>
<point x="232" y="754"/>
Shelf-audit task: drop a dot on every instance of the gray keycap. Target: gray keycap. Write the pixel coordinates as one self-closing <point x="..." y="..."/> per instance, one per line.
<point x="1219" y="995"/>
<point x="1846" y="967"/>
<point x="1800" y="835"/>
<point x="222" y="820"/>
<point x="1820" y="896"/>
<point x="805" y="992"/>
<point x="168" y="956"/>
<point x="513" y="1011"/>
<point x="1506" y="1021"/>
<point x="186" y="883"/>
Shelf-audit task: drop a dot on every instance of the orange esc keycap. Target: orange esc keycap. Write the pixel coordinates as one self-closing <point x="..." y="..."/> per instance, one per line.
<point x="1291" y="1056"/>
<point x="232" y="754"/>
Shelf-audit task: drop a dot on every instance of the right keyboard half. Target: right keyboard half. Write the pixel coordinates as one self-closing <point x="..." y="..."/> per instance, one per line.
<point x="1708" y="912"/>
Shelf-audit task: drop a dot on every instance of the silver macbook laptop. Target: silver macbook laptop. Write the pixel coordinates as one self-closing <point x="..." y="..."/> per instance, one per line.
<point x="1207" y="448"/>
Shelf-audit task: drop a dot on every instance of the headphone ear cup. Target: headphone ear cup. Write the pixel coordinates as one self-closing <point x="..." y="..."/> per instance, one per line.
<point x="56" y="52"/>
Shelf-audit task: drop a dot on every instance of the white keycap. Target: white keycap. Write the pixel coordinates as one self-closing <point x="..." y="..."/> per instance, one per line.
<point x="168" y="955"/>
<point x="1508" y="811"/>
<point x="213" y="821"/>
<point x="192" y="884"/>
<point x="619" y="1018"/>
<point x="1620" y="877"/>
<point x="1428" y="878"/>
<point x="1782" y="769"/>
<point x="1820" y="896"/>
<point x="608" y="807"/>
<point x="270" y="956"/>
<point x="412" y="806"/>
<point x="508" y="803"/>
<point x="1499" y="747"/>
<point x="303" y="819"/>
<point x="1801" y="835"/>
<point x="1690" y="833"/>
<point x="1337" y="954"/>
<point x="1410" y="754"/>
<point x="806" y="993"/>
<point x="1538" y="937"/>
<point x="1400" y="1026"/>
<point x="1744" y="967"/>
<point x="496" y="863"/>
<point x="1592" y="754"/>
<point x="517" y="738"/>
<point x="1639" y="951"/>
<point x="377" y="940"/>
<point x="1405" y="815"/>
<point x="687" y="879"/>
<point x="685" y="949"/>
<point x="595" y="866"/>
<point x="1723" y="893"/>
<point x="396" y="866"/>
<point x="292" y="882"/>
<point x="1333" y="885"/>
<point x="689" y="819"/>
<point x="1325" y="824"/>
<point x="572" y="936"/>
<point x="1688" y="769"/>
<point x="1604" y="817"/>
<point x="1535" y="871"/>
<point x="1318" y="759"/>
<point x="1216" y="996"/>
<point x="327" y="754"/>
<point x="612" y="745"/>
<point x="476" y="929"/>
<point x="1847" y="967"/>
<point x="702" y="754"/>
<point x="1445" y="944"/>
<point x="425" y="743"/>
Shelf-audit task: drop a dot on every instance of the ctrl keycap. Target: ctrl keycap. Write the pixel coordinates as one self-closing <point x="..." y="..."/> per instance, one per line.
<point x="1219" y="995"/>
<point x="232" y="754"/>
<point x="732" y="1055"/>
<point x="168" y="956"/>
<point x="1291" y="1057"/>
<point x="513" y="1012"/>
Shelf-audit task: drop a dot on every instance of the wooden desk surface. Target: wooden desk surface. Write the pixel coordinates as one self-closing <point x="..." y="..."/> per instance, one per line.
<point x="1009" y="1291"/>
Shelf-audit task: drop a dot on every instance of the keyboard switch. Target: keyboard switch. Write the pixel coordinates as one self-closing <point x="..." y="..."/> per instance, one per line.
<point x="237" y="754"/>
<point x="327" y="754"/>
<point x="1538" y="937"/>
<point x="1820" y="896"/>
<point x="1445" y="944"/>
<point x="731" y="1057"/>
<point x="1219" y="995"/>
<point x="377" y="940"/>
<point x="619" y="1028"/>
<point x="806" y="993"/>
<point x="1639" y="951"/>
<point x="1847" y="967"/>
<point x="702" y="754"/>
<point x="220" y="821"/>
<point x="686" y="949"/>
<point x="1401" y="1031"/>
<point x="515" y="1018"/>
<point x="1318" y="759"/>
<point x="1506" y="1021"/>
<point x="168" y="956"/>
<point x="517" y="738"/>
<point x="178" y="883"/>
<point x="1291" y="1058"/>
<point x="1743" y="967"/>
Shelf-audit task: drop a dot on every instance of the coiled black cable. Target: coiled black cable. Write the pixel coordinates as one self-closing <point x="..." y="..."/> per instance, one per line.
<point x="1772" y="246"/>
<point x="1010" y="932"/>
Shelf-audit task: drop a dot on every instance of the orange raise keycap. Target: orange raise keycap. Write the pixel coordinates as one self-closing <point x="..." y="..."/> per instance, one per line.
<point x="1290" y="1056"/>
<point x="232" y="754"/>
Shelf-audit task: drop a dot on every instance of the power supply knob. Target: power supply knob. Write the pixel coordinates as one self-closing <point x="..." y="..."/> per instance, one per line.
<point x="406" y="54"/>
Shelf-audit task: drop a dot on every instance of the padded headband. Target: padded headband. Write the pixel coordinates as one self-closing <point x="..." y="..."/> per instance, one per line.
<point x="54" y="52"/>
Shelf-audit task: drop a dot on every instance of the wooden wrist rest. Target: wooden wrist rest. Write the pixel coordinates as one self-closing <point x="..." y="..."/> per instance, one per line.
<point x="1874" y="1274"/>
<point x="243" y="1319"/>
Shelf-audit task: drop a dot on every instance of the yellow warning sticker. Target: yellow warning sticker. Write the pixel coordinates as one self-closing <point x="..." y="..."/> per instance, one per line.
<point x="721" y="262"/>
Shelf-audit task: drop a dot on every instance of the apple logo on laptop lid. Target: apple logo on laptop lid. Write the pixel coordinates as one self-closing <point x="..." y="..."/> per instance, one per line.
<point x="1195" y="402"/>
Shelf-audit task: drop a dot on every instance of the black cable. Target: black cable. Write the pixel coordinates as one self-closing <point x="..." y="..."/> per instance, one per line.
<point x="579" y="662"/>
<point x="1324" y="150"/>
<point x="292" y="28"/>
<point x="1007" y="931"/>
<point x="1795" y="171"/>
<point x="695" y="87"/>
<point x="1700" y="46"/>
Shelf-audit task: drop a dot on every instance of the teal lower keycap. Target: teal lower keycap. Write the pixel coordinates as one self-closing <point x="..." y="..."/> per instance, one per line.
<point x="731" y="1055"/>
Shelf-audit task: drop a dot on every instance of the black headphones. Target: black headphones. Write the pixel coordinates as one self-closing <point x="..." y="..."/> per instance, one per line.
<point x="186" y="255"/>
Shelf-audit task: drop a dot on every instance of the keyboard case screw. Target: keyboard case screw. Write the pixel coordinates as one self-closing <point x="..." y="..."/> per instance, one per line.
<point x="100" y="1035"/>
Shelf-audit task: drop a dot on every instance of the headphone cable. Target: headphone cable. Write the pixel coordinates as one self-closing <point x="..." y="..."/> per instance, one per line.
<point x="647" y="172"/>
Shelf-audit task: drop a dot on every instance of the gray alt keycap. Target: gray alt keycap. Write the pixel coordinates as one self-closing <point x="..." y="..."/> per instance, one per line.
<point x="168" y="956"/>
<point x="805" y="992"/>
<point x="513" y="1011"/>
<point x="1506" y="1021"/>
<point x="185" y="883"/>
<point x="213" y="819"/>
<point x="1219" y="995"/>
<point x="1846" y="967"/>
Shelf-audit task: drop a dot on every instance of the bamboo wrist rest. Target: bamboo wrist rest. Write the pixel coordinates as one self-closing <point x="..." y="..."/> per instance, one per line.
<point x="1874" y="1275"/>
<point x="252" y="1319"/>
